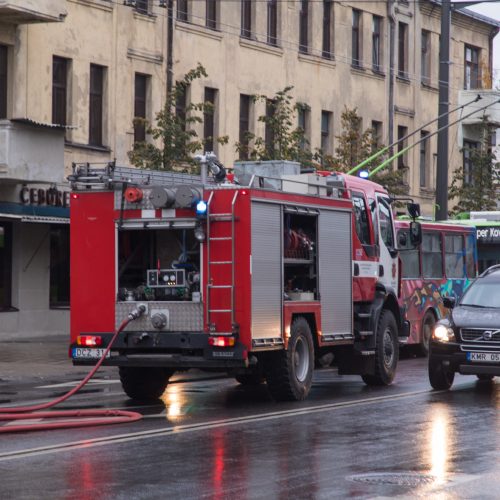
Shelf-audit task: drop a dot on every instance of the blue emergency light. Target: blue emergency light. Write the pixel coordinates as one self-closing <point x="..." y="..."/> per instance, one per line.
<point x="201" y="208"/>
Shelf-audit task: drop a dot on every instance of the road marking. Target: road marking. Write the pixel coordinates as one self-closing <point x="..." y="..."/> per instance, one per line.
<point x="202" y="426"/>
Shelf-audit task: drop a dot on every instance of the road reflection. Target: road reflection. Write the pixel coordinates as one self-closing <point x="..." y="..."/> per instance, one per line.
<point x="441" y="437"/>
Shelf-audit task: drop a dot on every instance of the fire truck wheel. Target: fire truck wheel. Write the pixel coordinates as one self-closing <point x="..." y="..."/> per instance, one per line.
<point x="144" y="383"/>
<point x="440" y="378"/>
<point x="386" y="351"/>
<point x="427" y="326"/>
<point x="289" y="373"/>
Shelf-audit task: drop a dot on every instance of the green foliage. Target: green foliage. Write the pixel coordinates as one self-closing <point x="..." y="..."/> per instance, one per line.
<point x="175" y="140"/>
<point x="285" y="141"/>
<point x="355" y="146"/>
<point x="478" y="190"/>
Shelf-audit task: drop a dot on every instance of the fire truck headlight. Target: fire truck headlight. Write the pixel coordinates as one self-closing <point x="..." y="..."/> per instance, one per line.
<point x="443" y="333"/>
<point x="199" y="233"/>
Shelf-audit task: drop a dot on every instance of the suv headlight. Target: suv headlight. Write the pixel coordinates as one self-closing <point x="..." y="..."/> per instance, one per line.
<point x="443" y="333"/>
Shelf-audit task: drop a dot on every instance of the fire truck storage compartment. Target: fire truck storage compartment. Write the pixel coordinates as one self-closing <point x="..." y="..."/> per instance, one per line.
<point x="335" y="272"/>
<point x="299" y="253"/>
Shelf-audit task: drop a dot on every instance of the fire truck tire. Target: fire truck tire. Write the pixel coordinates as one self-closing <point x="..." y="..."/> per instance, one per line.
<point x="289" y="373"/>
<point x="144" y="383"/>
<point x="386" y="351"/>
<point x="427" y="326"/>
<point x="440" y="378"/>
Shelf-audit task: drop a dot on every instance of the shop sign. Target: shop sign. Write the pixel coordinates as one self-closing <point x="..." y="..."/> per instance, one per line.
<point x="51" y="196"/>
<point x="488" y="234"/>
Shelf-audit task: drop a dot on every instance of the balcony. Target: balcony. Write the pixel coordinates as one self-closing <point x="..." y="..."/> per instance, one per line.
<point x="32" y="11"/>
<point x="31" y="152"/>
<point x="492" y="112"/>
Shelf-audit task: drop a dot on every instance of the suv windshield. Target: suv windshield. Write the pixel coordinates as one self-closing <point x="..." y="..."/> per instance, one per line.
<point x="482" y="294"/>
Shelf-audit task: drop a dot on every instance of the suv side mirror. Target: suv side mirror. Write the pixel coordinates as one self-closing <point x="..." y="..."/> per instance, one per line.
<point x="449" y="302"/>
<point x="415" y="233"/>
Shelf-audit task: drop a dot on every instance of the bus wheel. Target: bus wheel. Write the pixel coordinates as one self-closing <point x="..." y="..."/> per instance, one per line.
<point x="427" y="326"/>
<point x="144" y="383"/>
<point x="289" y="373"/>
<point x="386" y="351"/>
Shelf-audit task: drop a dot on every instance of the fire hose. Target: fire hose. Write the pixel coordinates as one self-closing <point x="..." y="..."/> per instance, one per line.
<point x="99" y="417"/>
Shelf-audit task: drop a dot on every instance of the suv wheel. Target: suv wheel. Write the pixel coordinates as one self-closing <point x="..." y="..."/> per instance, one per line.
<point x="440" y="377"/>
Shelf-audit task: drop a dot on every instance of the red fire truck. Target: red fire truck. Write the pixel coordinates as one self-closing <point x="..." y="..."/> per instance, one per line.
<point x="263" y="281"/>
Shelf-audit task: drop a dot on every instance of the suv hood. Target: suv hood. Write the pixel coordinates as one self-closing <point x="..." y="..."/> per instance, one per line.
<point x="475" y="317"/>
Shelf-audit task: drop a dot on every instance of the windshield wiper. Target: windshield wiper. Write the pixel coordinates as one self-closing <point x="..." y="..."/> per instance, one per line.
<point x="475" y="305"/>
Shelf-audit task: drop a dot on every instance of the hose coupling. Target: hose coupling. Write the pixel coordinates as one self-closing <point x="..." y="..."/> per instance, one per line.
<point x="137" y="312"/>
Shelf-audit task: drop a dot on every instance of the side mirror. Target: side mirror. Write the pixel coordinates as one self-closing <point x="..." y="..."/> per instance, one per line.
<point x="449" y="302"/>
<point x="413" y="210"/>
<point x="415" y="233"/>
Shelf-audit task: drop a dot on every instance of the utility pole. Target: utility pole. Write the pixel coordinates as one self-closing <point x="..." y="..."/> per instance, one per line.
<point x="442" y="142"/>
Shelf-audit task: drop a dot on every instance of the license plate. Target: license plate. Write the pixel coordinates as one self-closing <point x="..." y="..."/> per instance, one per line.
<point x="88" y="353"/>
<point x="483" y="357"/>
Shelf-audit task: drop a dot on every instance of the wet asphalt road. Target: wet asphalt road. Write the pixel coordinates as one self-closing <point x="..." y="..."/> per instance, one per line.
<point x="212" y="438"/>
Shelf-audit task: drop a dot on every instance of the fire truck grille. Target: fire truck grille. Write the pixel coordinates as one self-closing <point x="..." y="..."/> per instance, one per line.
<point x="180" y="316"/>
<point x="480" y="334"/>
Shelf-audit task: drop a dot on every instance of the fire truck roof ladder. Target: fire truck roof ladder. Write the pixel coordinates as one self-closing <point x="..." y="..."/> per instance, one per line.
<point x="211" y="218"/>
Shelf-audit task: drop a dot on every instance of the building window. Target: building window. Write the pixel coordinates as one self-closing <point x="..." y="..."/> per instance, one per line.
<point x="5" y="266"/>
<point x="403" y="50"/>
<point x="356" y="37"/>
<point x="245" y="102"/>
<point x="272" y="22"/>
<point x="142" y="6"/>
<point x="376" y="135"/>
<point x="328" y="27"/>
<point x="96" y="110"/>
<point x="304" y="27"/>
<point x="211" y="14"/>
<point x="424" y="158"/>
<point x="140" y="106"/>
<point x="425" y="61"/>
<point x="209" y="131"/>
<point x="468" y="151"/>
<point x="402" y="159"/>
<point x="432" y="260"/>
<point x="3" y="81"/>
<point x="269" y="130"/>
<point x="181" y="103"/>
<point x="182" y="10"/>
<point x="326" y="132"/>
<point x="303" y="122"/>
<point x="59" y="90"/>
<point x="246" y="18"/>
<point x="471" y="79"/>
<point x="377" y="44"/>
<point x="59" y="266"/>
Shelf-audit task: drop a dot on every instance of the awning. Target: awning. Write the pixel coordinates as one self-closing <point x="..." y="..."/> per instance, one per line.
<point x="35" y="218"/>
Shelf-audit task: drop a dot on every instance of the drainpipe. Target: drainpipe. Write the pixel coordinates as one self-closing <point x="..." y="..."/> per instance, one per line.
<point x="170" y="45"/>
<point x="392" y="24"/>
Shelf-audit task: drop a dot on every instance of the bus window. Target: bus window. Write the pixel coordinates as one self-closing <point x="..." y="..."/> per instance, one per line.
<point x="361" y="219"/>
<point x="454" y="256"/>
<point x="432" y="262"/>
<point x="470" y="261"/>
<point x="410" y="265"/>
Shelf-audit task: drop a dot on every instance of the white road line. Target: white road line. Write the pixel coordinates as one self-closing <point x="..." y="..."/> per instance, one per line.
<point x="76" y="382"/>
<point x="134" y="436"/>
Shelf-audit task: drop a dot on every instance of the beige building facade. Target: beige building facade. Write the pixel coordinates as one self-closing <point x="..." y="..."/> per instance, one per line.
<point x="77" y="72"/>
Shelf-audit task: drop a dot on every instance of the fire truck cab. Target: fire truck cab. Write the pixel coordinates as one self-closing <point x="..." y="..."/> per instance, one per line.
<point x="263" y="280"/>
